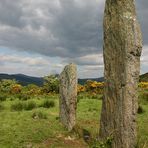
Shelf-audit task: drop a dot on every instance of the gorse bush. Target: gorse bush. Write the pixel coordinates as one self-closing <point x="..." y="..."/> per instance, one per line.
<point x="39" y="115"/>
<point x="48" y="104"/>
<point x="143" y="85"/>
<point x="80" y="88"/>
<point x="16" y="88"/>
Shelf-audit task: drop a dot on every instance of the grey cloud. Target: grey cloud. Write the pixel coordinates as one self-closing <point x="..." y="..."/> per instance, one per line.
<point x="142" y="12"/>
<point x="11" y="13"/>
<point x="78" y="28"/>
<point x="62" y="28"/>
<point x="30" y="61"/>
<point x="89" y="60"/>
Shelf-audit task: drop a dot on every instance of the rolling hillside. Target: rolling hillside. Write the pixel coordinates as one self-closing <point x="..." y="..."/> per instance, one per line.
<point x="144" y="77"/>
<point x="25" y="80"/>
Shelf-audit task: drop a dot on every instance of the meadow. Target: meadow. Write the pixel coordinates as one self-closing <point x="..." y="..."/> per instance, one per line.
<point x="34" y="122"/>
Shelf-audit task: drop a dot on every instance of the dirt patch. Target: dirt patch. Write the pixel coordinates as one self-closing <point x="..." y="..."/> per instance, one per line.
<point x="63" y="142"/>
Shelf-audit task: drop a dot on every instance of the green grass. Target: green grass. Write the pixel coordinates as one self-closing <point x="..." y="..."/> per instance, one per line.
<point x="48" y="104"/>
<point x="40" y="127"/>
<point x="19" y="129"/>
<point x="143" y="126"/>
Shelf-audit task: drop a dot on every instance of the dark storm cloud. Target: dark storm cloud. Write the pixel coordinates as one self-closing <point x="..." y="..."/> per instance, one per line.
<point x="142" y="12"/>
<point x="77" y="27"/>
<point x="10" y="13"/>
<point x="62" y="28"/>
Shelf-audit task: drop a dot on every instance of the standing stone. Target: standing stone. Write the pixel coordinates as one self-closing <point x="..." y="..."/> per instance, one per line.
<point x="122" y="50"/>
<point x="68" y="96"/>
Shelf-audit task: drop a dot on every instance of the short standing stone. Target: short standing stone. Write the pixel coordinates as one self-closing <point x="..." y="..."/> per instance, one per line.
<point x="68" y="96"/>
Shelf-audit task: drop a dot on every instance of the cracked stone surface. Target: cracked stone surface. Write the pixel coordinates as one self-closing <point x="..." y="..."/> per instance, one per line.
<point x="68" y="96"/>
<point x="122" y="50"/>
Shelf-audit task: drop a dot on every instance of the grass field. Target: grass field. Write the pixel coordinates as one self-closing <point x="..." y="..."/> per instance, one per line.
<point x="39" y="126"/>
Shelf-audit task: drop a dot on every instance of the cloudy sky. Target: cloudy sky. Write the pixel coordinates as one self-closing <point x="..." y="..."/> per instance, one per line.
<point x="39" y="37"/>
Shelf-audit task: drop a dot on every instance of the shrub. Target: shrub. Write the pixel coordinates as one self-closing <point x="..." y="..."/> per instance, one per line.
<point x="94" y="86"/>
<point x="1" y="107"/>
<point x="23" y="97"/>
<point x="18" y="106"/>
<point x="95" y="97"/>
<point x="51" y="84"/>
<point x="12" y="98"/>
<point x="80" y="97"/>
<point x="39" y="115"/>
<point x="80" y="88"/>
<point x="6" y="85"/>
<point x="29" y="105"/>
<point x="3" y="97"/>
<point x="143" y="85"/>
<point x="140" y="109"/>
<point x="48" y="104"/>
<point x="145" y="96"/>
<point x="86" y="135"/>
<point x="102" y="144"/>
<point x="16" y="88"/>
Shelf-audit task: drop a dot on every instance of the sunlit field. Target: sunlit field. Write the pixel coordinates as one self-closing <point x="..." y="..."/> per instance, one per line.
<point x="34" y="122"/>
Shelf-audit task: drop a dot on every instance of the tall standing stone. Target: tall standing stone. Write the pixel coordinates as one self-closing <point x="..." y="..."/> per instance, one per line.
<point x="68" y="96"/>
<point x="122" y="50"/>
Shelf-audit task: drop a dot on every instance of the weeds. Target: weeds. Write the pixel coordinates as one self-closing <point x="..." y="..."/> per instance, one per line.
<point x="48" y="104"/>
<point x="39" y="115"/>
<point x="140" y="110"/>
<point x="17" y="106"/>
<point x="3" y="97"/>
<point x="102" y="144"/>
<point x="143" y="98"/>
<point x="23" y="97"/>
<point x="29" y="105"/>
<point x="142" y="143"/>
<point x="1" y="107"/>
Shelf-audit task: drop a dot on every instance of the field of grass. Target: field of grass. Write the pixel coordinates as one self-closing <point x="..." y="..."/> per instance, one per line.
<point x="38" y="126"/>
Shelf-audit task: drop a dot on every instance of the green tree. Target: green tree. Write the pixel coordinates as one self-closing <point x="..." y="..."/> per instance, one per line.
<point x="51" y="84"/>
<point x="6" y="85"/>
<point x="32" y="89"/>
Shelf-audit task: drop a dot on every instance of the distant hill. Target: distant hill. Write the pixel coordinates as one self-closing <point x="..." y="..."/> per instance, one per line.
<point x="23" y="79"/>
<point x="144" y="77"/>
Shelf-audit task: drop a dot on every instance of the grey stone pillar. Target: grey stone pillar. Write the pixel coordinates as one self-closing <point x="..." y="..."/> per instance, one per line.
<point x="68" y="96"/>
<point x="122" y="50"/>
